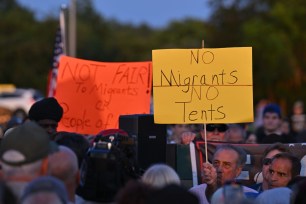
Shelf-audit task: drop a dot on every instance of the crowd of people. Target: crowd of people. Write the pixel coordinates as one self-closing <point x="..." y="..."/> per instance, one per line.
<point x="271" y="127"/>
<point x="40" y="164"/>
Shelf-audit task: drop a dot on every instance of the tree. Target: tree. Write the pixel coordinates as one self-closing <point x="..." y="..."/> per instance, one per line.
<point x="276" y="32"/>
<point x="274" y="28"/>
<point x="24" y="42"/>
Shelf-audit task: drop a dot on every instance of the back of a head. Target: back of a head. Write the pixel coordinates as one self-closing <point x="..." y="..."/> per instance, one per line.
<point x="172" y="194"/>
<point x="43" y="197"/>
<point x="46" y="108"/>
<point x="25" y="144"/>
<point x="134" y="192"/>
<point x="160" y="175"/>
<point x="77" y="142"/>
<point x="45" y="189"/>
<point x="23" y="153"/>
<point x="281" y="195"/>
<point x="63" y="164"/>
<point x="231" y="192"/>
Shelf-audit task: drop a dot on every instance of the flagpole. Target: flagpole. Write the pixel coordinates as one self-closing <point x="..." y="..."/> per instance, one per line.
<point x="62" y="22"/>
<point x="72" y="28"/>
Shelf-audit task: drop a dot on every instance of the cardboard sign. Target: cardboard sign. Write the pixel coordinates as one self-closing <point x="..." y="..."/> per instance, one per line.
<point x="203" y="85"/>
<point x="94" y="94"/>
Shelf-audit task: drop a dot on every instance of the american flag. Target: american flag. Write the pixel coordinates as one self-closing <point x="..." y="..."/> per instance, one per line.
<point x="58" y="51"/>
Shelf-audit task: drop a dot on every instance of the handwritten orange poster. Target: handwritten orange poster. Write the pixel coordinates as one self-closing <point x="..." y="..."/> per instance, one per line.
<point x="94" y="94"/>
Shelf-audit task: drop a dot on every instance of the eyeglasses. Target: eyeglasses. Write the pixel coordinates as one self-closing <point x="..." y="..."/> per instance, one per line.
<point x="219" y="127"/>
<point x="266" y="161"/>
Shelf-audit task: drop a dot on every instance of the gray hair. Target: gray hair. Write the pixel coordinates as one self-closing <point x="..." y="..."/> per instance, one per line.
<point x="31" y="170"/>
<point x="241" y="153"/>
<point x="160" y="175"/>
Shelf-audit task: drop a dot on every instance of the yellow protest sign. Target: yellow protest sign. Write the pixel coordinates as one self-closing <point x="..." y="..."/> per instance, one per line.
<point x="94" y="94"/>
<point x="203" y="85"/>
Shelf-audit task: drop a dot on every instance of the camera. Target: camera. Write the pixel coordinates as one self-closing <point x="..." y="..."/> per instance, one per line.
<point x="110" y="162"/>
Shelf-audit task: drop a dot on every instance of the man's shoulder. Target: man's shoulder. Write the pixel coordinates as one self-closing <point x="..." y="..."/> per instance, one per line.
<point x="256" y="186"/>
<point x="249" y="190"/>
<point x="203" y="186"/>
<point x="198" y="187"/>
<point x="199" y="191"/>
<point x="250" y="193"/>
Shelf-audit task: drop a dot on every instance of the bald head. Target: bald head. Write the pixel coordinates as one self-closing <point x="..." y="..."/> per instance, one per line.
<point x="42" y="197"/>
<point x="63" y="164"/>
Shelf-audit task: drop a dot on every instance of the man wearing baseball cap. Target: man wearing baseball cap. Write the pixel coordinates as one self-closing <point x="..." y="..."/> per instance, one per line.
<point x="24" y="155"/>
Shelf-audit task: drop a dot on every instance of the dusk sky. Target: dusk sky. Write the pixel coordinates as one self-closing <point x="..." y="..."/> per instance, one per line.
<point x="157" y="13"/>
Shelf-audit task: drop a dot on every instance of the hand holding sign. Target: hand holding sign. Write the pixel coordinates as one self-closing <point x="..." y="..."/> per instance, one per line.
<point x="209" y="174"/>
